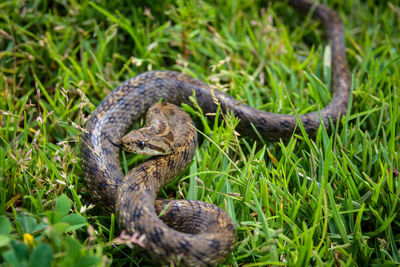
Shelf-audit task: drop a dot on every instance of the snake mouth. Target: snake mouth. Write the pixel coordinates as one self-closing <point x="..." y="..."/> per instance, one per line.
<point x="114" y="144"/>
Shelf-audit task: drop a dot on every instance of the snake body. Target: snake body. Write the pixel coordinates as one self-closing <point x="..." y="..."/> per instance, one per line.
<point x="180" y="234"/>
<point x="202" y="227"/>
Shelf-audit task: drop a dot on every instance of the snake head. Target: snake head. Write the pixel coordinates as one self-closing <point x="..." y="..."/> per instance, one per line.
<point x="144" y="143"/>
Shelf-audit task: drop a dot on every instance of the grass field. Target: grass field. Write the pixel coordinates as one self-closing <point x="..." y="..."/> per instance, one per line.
<point x="329" y="201"/>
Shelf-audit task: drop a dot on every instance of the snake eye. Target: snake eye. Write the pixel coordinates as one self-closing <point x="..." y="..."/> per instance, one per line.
<point x="140" y="144"/>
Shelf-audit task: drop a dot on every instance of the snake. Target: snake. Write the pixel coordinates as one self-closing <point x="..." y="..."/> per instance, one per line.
<point x="186" y="232"/>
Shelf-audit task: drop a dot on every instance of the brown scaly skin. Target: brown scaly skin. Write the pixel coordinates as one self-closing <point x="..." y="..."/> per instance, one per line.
<point x="132" y="98"/>
<point x="201" y="240"/>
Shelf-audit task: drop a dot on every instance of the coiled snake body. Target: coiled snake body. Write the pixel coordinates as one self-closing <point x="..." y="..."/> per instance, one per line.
<point x="194" y="233"/>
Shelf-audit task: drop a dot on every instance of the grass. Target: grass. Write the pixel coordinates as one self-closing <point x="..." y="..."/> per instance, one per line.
<point x="329" y="201"/>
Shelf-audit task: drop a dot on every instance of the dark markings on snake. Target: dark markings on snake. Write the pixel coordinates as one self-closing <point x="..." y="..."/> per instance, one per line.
<point x="157" y="234"/>
<point x="134" y="186"/>
<point x="137" y="213"/>
<point x="214" y="244"/>
<point x="184" y="245"/>
<point x="169" y="136"/>
<point x="154" y="147"/>
<point x="141" y="168"/>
